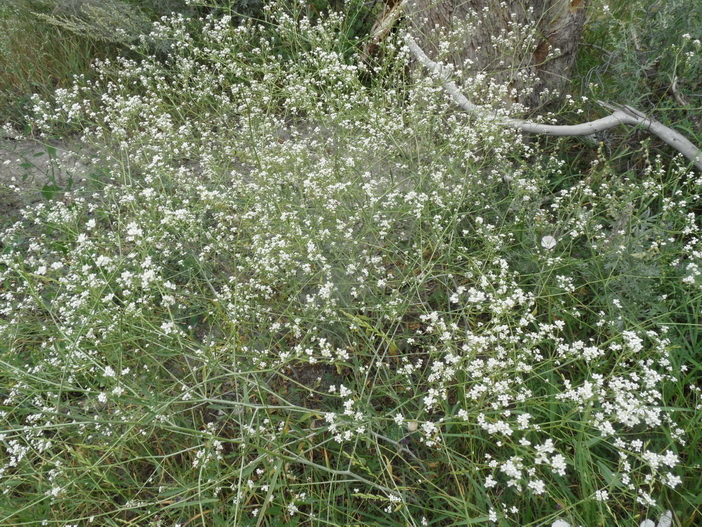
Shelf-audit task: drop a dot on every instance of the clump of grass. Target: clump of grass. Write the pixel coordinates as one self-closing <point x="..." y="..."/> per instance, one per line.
<point x="114" y="21"/>
<point x="36" y="57"/>
<point x="297" y="297"/>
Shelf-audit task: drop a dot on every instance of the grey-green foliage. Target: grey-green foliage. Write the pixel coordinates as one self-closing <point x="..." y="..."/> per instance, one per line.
<point x="652" y="58"/>
<point x="163" y="7"/>
<point x="114" y="21"/>
<point x="125" y="21"/>
<point x="238" y="9"/>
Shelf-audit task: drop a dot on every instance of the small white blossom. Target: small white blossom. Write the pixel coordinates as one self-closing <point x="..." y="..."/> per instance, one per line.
<point x="548" y="242"/>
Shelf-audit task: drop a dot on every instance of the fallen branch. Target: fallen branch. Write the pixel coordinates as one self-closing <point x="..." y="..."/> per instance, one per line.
<point x="382" y="27"/>
<point x="620" y="115"/>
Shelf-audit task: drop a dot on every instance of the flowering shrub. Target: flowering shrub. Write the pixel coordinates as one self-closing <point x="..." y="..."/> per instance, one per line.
<point x="294" y="293"/>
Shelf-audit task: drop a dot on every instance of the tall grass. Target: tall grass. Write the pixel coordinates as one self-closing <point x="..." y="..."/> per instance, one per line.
<point x="36" y="57"/>
<point x="304" y="291"/>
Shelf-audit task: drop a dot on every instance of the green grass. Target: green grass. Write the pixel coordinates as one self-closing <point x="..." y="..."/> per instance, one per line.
<point x="36" y="57"/>
<point x="297" y="291"/>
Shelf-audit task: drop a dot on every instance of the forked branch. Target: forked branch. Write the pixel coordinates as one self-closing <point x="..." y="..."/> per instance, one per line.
<point x="620" y="115"/>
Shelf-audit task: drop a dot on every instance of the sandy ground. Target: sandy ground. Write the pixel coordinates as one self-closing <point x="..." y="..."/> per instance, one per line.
<point x="32" y="170"/>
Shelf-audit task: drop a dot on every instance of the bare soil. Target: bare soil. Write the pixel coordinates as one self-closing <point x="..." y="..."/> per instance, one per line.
<point x="33" y="170"/>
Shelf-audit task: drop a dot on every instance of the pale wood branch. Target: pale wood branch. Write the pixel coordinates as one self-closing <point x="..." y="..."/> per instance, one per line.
<point x="620" y="114"/>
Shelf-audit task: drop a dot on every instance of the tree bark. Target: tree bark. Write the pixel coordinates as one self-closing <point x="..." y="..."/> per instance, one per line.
<point x="529" y="46"/>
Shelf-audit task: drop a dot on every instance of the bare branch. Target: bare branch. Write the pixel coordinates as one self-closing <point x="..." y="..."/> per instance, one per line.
<point x="383" y="25"/>
<point x="620" y="115"/>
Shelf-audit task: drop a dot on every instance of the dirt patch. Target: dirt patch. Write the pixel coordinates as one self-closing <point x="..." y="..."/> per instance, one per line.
<point x="32" y="170"/>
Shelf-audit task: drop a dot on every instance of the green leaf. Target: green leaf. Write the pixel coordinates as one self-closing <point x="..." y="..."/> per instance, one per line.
<point x="610" y="477"/>
<point x="49" y="191"/>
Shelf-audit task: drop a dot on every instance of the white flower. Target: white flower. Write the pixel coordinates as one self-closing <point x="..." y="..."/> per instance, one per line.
<point x="666" y="519"/>
<point x="548" y="242"/>
<point x="102" y="260"/>
<point x="133" y="231"/>
<point x="537" y="486"/>
<point x="558" y="464"/>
